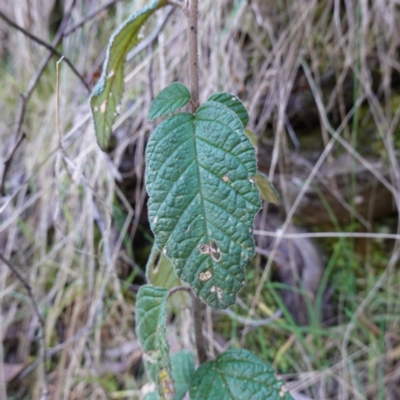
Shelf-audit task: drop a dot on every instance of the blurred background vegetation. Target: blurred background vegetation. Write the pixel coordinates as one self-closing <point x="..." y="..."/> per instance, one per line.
<point x="321" y="81"/>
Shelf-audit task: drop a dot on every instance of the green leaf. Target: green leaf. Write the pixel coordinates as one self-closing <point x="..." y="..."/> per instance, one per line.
<point x="182" y="372"/>
<point x="237" y="374"/>
<point x="151" y="396"/>
<point x="233" y="103"/>
<point x="160" y="272"/>
<point x="267" y="190"/>
<point x="107" y="93"/>
<point x="202" y="201"/>
<point x="151" y="315"/>
<point x="170" y="99"/>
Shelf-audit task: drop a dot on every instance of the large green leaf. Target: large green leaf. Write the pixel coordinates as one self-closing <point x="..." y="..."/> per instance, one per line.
<point x="170" y="99"/>
<point x="160" y="272"/>
<point x="202" y="199"/>
<point x="237" y="374"/>
<point x="151" y="314"/>
<point x="107" y="93"/>
<point x="233" y="103"/>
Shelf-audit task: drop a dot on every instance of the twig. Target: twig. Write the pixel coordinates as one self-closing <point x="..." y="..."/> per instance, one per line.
<point x="48" y="46"/>
<point x="7" y="163"/>
<point x="42" y="323"/>
<point x="193" y="53"/>
<point x="179" y="288"/>
<point x="191" y="17"/>
<point x="24" y="98"/>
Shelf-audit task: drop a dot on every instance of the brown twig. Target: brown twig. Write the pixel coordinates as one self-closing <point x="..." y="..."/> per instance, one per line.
<point x="8" y="161"/>
<point x="191" y="17"/>
<point x="48" y="46"/>
<point x="193" y="53"/>
<point x="42" y="323"/>
<point x="178" y="289"/>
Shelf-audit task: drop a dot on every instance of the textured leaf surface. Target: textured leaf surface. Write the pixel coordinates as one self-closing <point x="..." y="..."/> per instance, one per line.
<point x="107" y="93"/>
<point x="170" y="99"/>
<point x="233" y="103"/>
<point x="160" y="272"/>
<point x="237" y="374"/>
<point x="267" y="190"/>
<point x="202" y="201"/>
<point x="182" y="372"/>
<point x="151" y="312"/>
<point x="151" y="396"/>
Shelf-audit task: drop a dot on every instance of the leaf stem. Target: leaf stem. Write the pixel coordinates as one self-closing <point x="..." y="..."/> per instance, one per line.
<point x="191" y="17"/>
<point x="193" y="53"/>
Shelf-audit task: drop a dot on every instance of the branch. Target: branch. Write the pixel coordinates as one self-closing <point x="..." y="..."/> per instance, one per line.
<point x="193" y="53"/>
<point x="43" y="351"/>
<point x="178" y="289"/>
<point x="48" y="46"/>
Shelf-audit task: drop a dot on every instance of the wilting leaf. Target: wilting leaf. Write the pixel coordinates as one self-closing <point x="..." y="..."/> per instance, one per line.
<point x="252" y="137"/>
<point x="267" y="190"/>
<point x="237" y="374"/>
<point x="202" y="199"/>
<point x="107" y="93"/>
<point x="170" y="99"/>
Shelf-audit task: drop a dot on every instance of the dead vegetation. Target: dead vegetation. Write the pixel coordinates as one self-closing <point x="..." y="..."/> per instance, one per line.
<point x="73" y="219"/>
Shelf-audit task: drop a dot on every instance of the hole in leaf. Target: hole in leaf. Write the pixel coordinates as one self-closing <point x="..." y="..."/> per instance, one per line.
<point x="215" y="252"/>
<point x="204" y="248"/>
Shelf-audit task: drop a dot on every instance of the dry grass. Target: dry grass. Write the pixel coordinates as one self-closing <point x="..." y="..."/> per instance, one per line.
<point x="58" y="222"/>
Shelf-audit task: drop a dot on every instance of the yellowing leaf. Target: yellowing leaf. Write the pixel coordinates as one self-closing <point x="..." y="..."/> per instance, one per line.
<point x="107" y="93"/>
